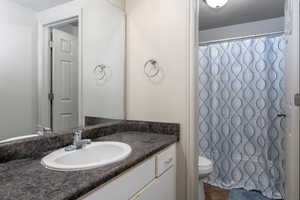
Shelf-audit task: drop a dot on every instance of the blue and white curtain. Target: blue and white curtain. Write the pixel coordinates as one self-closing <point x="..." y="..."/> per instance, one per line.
<point x="241" y="93"/>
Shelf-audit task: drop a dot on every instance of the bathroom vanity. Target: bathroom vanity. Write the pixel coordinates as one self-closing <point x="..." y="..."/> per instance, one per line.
<point x="147" y="173"/>
<point x="151" y="179"/>
<point x="63" y="67"/>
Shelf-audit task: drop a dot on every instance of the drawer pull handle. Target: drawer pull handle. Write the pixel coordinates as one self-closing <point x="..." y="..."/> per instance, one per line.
<point x="167" y="162"/>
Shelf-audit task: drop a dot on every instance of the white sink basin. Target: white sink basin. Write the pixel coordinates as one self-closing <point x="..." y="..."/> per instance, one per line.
<point x="96" y="154"/>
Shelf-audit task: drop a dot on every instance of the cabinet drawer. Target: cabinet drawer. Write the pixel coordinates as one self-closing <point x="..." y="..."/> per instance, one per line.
<point x="165" y="160"/>
<point x="162" y="188"/>
<point x="127" y="184"/>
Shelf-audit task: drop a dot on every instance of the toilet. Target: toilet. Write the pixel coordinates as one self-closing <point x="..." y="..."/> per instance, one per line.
<point x="205" y="167"/>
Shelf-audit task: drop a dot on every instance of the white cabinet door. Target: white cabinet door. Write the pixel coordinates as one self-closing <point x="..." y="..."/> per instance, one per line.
<point x="126" y="185"/>
<point x="163" y="188"/>
<point x="165" y="160"/>
<point x="143" y="182"/>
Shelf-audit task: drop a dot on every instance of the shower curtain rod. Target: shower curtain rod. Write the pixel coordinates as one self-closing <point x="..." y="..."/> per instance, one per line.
<point x="240" y="38"/>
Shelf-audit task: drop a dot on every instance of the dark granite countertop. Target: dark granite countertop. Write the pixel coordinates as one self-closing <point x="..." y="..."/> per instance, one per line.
<point x="27" y="179"/>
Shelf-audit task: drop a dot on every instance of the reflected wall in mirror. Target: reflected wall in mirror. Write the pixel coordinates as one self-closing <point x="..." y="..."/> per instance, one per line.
<point x="62" y="65"/>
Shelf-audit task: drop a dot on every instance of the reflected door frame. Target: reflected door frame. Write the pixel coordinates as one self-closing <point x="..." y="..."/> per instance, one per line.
<point x="46" y="20"/>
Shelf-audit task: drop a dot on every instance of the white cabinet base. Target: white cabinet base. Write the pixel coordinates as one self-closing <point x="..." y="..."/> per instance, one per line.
<point x="154" y="179"/>
<point x="162" y="188"/>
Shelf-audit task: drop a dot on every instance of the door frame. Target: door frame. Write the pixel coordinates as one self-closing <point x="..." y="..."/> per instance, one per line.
<point x="47" y="19"/>
<point x="293" y="87"/>
<point x="192" y="136"/>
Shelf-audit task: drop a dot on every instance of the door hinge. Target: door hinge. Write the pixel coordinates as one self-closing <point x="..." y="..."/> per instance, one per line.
<point x="297" y="99"/>
<point x="51" y="97"/>
<point x="50" y="44"/>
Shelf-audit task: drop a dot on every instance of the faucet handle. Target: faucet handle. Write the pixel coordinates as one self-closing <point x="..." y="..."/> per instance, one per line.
<point x="78" y="129"/>
<point x="77" y="135"/>
<point x="78" y="142"/>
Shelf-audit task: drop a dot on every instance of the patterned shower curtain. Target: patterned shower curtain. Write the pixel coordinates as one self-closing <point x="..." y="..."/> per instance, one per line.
<point x="241" y="93"/>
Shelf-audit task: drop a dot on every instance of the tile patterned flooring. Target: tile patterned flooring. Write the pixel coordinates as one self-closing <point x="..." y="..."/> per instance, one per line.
<point x="215" y="193"/>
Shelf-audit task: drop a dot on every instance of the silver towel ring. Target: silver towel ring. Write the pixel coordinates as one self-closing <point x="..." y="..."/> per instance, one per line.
<point x="153" y="70"/>
<point x="100" y="72"/>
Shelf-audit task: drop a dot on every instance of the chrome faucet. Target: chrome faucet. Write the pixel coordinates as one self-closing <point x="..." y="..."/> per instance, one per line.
<point x="78" y="142"/>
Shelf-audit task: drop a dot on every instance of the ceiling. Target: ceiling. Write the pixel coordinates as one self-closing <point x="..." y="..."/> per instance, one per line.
<point x="39" y="5"/>
<point x="238" y="12"/>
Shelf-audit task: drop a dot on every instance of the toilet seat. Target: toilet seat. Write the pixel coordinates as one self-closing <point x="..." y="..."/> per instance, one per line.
<point x="205" y="165"/>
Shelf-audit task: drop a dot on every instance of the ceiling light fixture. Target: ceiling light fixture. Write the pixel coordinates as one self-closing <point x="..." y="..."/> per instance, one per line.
<point x="216" y="3"/>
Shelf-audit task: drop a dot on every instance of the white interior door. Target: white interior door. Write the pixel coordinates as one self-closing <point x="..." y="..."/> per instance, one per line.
<point x="65" y="80"/>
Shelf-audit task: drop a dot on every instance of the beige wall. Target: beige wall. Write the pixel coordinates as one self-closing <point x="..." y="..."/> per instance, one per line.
<point x="160" y="30"/>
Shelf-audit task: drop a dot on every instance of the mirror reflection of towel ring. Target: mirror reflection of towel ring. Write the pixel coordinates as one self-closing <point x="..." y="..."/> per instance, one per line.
<point x="100" y="72"/>
<point x="151" y="68"/>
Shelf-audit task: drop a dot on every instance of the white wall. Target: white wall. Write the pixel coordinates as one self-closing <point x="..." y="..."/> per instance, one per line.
<point x="242" y="30"/>
<point x="18" y="102"/>
<point x="103" y="42"/>
<point x="159" y="29"/>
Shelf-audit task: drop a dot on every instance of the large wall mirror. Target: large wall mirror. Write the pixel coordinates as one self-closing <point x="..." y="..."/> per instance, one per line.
<point x="61" y="65"/>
